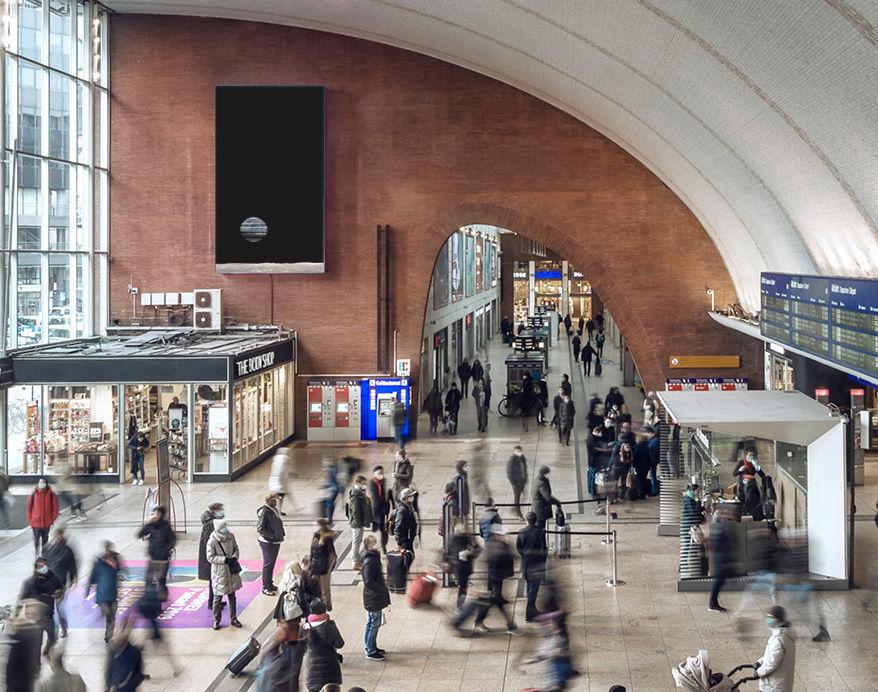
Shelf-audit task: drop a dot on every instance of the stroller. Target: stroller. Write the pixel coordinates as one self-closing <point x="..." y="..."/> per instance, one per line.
<point x="695" y="676"/>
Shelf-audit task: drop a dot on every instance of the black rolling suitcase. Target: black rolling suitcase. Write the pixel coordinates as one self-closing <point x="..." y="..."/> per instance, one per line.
<point x="397" y="570"/>
<point x="243" y="657"/>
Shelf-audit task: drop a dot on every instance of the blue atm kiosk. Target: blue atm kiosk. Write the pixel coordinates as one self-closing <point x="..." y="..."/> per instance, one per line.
<point x="377" y="397"/>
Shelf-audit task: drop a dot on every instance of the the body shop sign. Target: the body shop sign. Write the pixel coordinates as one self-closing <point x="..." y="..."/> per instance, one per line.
<point x="252" y="363"/>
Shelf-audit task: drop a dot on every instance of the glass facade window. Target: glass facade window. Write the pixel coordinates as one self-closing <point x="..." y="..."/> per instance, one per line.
<point x="62" y="430"/>
<point x="261" y="415"/>
<point x="211" y="428"/>
<point x="57" y="194"/>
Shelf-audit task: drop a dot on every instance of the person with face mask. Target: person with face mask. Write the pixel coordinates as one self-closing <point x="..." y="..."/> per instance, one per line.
<point x="516" y="472"/>
<point x="380" y="504"/>
<point x="360" y="516"/>
<point x="776" y="668"/>
<point x="105" y="580"/>
<point x="270" y="530"/>
<point x="42" y="511"/>
<point x="405" y="524"/>
<point x="543" y="498"/>
<point x="323" y="558"/>
<point x="225" y="571"/>
<point x="214" y="511"/>
<point x="44" y="587"/>
<point x="746" y="471"/>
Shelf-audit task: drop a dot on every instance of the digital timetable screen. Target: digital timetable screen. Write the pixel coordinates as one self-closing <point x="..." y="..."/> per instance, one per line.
<point x="833" y="317"/>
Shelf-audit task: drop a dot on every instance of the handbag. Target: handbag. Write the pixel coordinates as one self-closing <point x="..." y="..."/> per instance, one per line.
<point x="291" y="607"/>
<point x="631" y="480"/>
<point x="234" y="566"/>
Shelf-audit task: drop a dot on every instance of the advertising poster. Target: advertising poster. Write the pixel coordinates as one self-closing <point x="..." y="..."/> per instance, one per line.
<point x="186" y="607"/>
<point x="480" y="265"/>
<point x="469" y="272"/>
<point x="456" y="267"/>
<point x="440" y="279"/>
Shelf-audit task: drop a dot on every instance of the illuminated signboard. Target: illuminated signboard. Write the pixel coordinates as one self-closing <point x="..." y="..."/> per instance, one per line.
<point x="835" y="318"/>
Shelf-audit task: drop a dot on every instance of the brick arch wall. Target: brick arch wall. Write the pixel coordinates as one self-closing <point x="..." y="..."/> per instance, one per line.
<point x="417" y="144"/>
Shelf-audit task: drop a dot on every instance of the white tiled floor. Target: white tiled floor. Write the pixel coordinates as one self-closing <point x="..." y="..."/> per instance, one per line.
<point x="632" y="635"/>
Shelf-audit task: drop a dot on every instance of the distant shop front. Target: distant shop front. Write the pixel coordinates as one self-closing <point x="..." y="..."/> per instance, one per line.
<point x="223" y="401"/>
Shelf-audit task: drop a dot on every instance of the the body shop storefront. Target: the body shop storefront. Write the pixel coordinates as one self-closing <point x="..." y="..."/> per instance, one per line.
<point x="84" y="408"/>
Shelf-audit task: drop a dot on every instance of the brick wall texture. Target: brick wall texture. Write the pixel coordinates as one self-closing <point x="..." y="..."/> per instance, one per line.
<point x="412" y="142"/>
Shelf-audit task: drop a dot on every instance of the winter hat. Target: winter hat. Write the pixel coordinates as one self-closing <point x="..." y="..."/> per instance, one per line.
<point x="779" y="614"/>
<point x="318" y="607"/>
<point x="219" y="524"/>
<point x="545" y="470"/>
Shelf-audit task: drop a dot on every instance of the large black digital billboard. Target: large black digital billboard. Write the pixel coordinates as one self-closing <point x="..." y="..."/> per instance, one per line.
<point x="833" y="317"/>
<point x="270" y="179"/>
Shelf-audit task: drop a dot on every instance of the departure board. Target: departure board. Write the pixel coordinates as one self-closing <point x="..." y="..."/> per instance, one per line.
<point x="835" y="318"/>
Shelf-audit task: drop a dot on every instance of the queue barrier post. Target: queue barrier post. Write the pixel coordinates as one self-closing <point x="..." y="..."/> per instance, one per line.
<point x="615" y="581"/>
<point x="608" y="539"/>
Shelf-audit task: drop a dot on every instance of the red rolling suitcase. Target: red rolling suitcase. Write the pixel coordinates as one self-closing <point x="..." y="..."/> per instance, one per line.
<point x="421" y="590"/>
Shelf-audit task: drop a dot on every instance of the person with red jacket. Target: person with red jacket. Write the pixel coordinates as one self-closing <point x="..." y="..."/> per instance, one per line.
<point x="42" y="510"/>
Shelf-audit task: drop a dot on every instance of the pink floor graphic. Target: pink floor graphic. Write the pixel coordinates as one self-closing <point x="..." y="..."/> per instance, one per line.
<point x="186" y="607"/>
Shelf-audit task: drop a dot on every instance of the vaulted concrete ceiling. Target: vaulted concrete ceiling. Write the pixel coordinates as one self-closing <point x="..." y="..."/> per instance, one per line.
<point x="762" y="116"/>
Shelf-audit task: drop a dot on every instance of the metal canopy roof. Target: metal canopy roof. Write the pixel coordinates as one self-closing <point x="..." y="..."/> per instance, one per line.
<point x="170" y="343"/>
<point x="785" y="416"/>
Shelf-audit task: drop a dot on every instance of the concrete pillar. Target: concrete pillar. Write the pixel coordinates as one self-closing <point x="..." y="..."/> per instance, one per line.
<point x="564" y="307"/>
<point x="531" y="287"/>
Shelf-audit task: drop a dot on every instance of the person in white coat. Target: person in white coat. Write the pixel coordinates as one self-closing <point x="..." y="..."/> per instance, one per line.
<point x="281" y="477"/>
<point x="777" y="667"/>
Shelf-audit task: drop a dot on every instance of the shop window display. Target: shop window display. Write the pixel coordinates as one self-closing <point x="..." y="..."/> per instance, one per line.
<point x="211" y="428"/>
<point x="260" y="414"/>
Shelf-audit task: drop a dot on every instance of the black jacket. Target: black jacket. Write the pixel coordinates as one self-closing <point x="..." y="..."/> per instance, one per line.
<point x="597" y="452"/>
<point x="452" y="400"/>
<point x="161" y="539"/>
<point x="322" y="660"/>
<point x="433" y="402"/>
<point x="405" y="526"/>
<point x="531" y="545"/>
<point x="380" y="501"/>
<point x="543" y="392"/>
<point x="207" y="519"/>
<point x="577" y="342"/>
<point x="269" y="525"/>
<point x="62" y="562"/>
<point x="323" y="553"/>
<point x="360" y="509"/>
<point x="588" y="352"/>
<point x="124" y="670"/>
<point x="567" y="387"/>
<point x="567" y="413"/>
<point x="41" y="587"/>
<point x="464" y="371"/>
<point x="516" y="470"/>
<point x="376" y="595"/>
<point x="543" y="499"/>
<point x="501" y="563"/>
<point x="477" y="371"/>
<point x="461" y="486"/>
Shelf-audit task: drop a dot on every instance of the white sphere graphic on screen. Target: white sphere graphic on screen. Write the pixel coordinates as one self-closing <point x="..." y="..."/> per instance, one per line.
<point x="253" y="229"/>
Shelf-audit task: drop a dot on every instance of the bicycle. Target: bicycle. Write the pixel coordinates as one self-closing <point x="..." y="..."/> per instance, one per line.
<point x="508" y="406"/>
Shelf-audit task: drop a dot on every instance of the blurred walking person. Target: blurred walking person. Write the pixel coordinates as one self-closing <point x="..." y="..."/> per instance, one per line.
<point x="380" y="504"/>
<point x="400" y="418"/>
<point x="464" y="372"/>
<point x="543" y="498"/>
<point x="324" y="641"/>
<point x="501" y="566"/>
<point x="42" y="511"/>
<point x="330" y="487"/>
<point x="62" y="562"/>
<point x="61" y="680"/>
<point x="461" y="486"/>
<point x="281" y="477"/>
<point x="24" y="638"/>
<point x="360" y="517"/>
<point x="376" y="597"/>
<point x="531" y="545"/>
<point x="215" y="511"/>
<point x="149" y="605"/>
<point x="124" y="671"/>
<point x="323" y="559"/>
<point x="4" y="500"/>
<point x="433" y="406"/>
<point x="161" y="540"/>
<point x="45" y="587"/>
<point x="481" y="410"/>
<point x="270" y="535"/>
<point x="104" y="578"/>
<point x="516" y="472"/>
<point x="225" y="571"/>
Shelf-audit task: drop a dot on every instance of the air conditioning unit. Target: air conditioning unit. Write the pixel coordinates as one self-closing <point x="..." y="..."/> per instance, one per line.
<point x="207" y="313"/>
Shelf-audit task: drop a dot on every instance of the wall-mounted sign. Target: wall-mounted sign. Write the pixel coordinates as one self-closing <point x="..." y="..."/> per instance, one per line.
<point x="403" y="367"/>
<point x="520" y="275"/>
<point x="704" y="361"/>
<point x="95" y="432"/>
<point x="248" y="364"/>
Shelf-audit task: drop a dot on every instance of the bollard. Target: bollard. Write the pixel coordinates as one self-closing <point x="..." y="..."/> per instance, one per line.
<point x="608" y="539"/>
<point x="615" y="581"/>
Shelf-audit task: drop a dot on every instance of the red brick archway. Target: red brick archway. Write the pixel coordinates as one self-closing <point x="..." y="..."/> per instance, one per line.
<point x="414" y="143"/>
